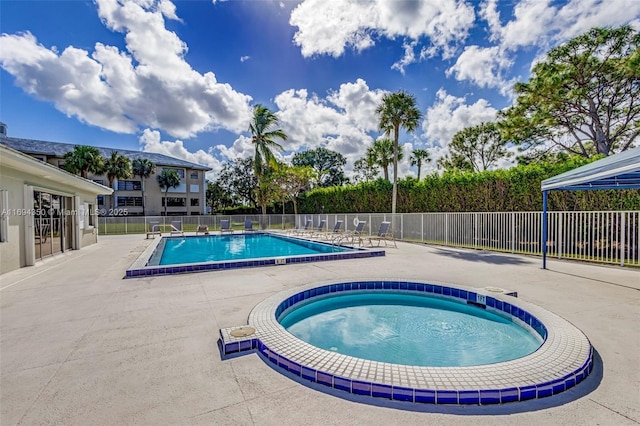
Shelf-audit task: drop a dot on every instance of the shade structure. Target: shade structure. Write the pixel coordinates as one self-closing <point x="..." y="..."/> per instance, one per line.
<point x="619" y="171"/>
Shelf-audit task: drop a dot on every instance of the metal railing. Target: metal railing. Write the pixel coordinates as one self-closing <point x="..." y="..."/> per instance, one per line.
<point x="595" y="236"/>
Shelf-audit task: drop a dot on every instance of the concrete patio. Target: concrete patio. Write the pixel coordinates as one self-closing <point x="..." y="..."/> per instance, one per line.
<point x="80" y="345"/>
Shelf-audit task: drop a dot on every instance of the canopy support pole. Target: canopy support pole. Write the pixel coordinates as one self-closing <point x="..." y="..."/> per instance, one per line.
<point x="544" y="229"/>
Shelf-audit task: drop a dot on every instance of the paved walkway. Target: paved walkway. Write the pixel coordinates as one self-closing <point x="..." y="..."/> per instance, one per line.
<point x="81" y="346"/>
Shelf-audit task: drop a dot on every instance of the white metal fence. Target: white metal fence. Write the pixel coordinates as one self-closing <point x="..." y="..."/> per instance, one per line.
<point x="600" y="236"/>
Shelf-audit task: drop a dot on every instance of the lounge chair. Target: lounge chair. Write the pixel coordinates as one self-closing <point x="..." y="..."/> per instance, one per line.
<point x="154" y="229"/>
<point x="354" y="235"/>
<point x="202" y="228"/>
<point x="318" y="231"/>
<point x="384" y="234"/>
<point x="308" y="224"/>
<point x="334" y="233"/>
<point x="176" y="228"/>
<point x="248" y="226"/>
<point x="225" y="226"/>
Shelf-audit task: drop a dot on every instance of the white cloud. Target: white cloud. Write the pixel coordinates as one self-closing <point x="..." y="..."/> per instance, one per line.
<point x="150" y="141"/>
<point x="408" y="58"/>
<point x="447" y="116"/>
<point x="341" y="122"/>
<point x="149" y="85"/>
<point x="330" y="27"/>
<point x="244" y="58"/>
<point x="485" y="67"/>
<point x="538" y="23"/>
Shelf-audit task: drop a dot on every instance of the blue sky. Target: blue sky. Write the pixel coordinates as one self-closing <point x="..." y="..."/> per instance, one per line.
<point x="179" y="78"/>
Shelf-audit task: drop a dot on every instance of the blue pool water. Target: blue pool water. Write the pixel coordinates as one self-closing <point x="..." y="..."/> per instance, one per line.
<point x="404" y="328"/>
<point x="237" y="247"/>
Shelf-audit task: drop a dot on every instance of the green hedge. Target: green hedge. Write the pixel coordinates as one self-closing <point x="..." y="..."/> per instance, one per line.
<point x="515" y="189"/>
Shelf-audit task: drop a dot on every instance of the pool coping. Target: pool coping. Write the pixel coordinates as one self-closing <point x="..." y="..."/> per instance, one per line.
<point x="564" y="359"/>
<point x="140" y="267"/>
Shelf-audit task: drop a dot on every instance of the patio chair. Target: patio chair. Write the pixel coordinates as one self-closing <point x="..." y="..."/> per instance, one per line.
<point x="176" y="228"/>
<point x="354" y="235"/>
<point x="154" y="229"/>
<point x="384" y="234"/>
<point x="42" y="235"/>
<point x="248" y="226"/>
<point x="317" y="231"/>
<point x="202" y="228"/>
<point x="334" y="233"/>
<point x="308" y="224"/>
<point x="225" y="226"/>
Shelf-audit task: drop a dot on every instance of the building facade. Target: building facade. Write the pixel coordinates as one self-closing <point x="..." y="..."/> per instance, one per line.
<point x="188" y="198"/>
<point x="44" y="210"/>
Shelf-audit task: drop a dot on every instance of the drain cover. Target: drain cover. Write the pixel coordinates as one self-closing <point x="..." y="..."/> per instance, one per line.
<point x="242" y="332"/>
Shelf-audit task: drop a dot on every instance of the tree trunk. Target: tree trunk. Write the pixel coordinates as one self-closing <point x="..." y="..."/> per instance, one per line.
<point x="419" y="166"/>
<point x="386" y="172"/>
<point x="394" y="195"/>
<point x="165" y="202"/>
<point x="295" y="206"/>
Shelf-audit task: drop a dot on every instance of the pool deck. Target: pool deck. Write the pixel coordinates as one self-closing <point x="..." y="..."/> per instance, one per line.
<point x="81" y="345"/>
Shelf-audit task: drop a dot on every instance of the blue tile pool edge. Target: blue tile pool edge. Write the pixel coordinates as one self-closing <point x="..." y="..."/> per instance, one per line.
<point x="139" y="268"/>
<point x="473" y="396"/>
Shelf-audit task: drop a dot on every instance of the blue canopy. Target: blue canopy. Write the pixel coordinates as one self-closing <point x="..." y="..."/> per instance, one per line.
<point x="619" y="171"/>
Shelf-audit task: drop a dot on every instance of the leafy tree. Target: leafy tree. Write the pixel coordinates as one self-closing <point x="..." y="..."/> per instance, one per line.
<point x="239" y="180"/>
<point x="144" y="168"/>
<point x="587" y="91"/>
<point x="365" y="168"/>
<point x="268" y="189"/>
<point x="218" y="197"/>
<point x="169" y="178"/>
<point x="328" y="164"/>
<point x="419" y="156"/>
<point x="475" y="149"/>
<point x="263" y="137"/>
<point x="84" y="160"/>
<point x="382" y="154"/>
<point x="293" y="180"/>
<point x="117" y="166"/>
<point x="397" y="111"/>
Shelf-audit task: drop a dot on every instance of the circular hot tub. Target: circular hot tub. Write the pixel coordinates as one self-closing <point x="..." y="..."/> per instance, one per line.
<point x="421" y="342"/>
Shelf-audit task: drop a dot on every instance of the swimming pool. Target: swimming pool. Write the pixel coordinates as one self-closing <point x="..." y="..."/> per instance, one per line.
<point x="176" y="255"/>
<point x="407" y="328"/>
<point x="563" y="360"/>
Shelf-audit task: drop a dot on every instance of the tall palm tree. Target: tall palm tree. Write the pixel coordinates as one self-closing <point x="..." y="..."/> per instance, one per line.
<point x="84" y="160"/>
<point x="264" y="132"/>
<point x="419" y="156"/>
<point x="263" y="136"/>
<point x="117" y="167"/>
<point x="168" y="179"/>
<point x="144" y="168"/>
<point x="397" y="111"/>
<point x="382" y="153"/>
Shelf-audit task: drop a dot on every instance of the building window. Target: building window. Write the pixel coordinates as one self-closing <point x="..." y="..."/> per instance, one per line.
<point x="61" y="165"/>
<point x="128" y="201"/>
<point x="174" y="202"/>
<point x="101" y="200"/>
<point x="129" y="185"/>
<point x="179" y="171"/>
<point x="195" y="202"/>
<point x="99" y="181"/>
<point x="194" y="175"/>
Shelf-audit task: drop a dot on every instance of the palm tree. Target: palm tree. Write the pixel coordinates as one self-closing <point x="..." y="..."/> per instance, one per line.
<point x="144" y="168"/>
<point x="381" y="153"/>
<point x="418" y="157"/>
<point x="264" y="132"/>
<point x="117" y="167"/>
<point x="397" y="110"/>
<point x="84" y="160"/>
<point x="168" y="179"/>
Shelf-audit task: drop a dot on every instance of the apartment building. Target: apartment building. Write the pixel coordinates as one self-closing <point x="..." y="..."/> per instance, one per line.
<point x="188" y="198"/>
